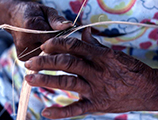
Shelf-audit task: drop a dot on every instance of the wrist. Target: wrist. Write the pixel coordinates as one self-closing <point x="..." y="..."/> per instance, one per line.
<point x="152" y="102"/>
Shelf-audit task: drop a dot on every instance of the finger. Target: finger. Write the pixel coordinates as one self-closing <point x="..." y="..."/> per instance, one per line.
<point x="67" y="63"/>
<point x="73" y="46"/>
<point x="56" y="22"/>
<point x="61" y="82"/>
<point x="87" y="37"/>
<point x="74" y="109"/>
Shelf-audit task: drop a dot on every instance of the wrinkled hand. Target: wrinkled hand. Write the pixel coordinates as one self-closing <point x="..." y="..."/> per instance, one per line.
<point x="107" y="81"/>
<point x="35" y="16"/>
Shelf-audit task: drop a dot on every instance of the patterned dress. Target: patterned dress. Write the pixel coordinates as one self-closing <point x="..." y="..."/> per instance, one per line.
<point x="139" y="42"/>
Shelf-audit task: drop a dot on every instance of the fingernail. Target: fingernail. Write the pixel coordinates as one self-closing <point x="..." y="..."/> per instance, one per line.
<point x="28" y="64"/>
<point x="46" y="113"/>
<point x="65" y="22"/>
<point x="29" y="78"/>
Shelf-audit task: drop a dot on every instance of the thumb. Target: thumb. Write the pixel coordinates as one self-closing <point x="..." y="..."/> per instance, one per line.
<point x="87" y="37"/>
<point x="56" y="22"/>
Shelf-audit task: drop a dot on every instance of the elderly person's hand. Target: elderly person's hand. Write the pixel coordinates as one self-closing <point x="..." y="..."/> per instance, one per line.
<point x="107" y="80"/>
<point x="35" y="16"/>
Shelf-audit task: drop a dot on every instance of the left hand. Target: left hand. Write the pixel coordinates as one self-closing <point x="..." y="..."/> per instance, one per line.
<point x="107" y="81"/>
<point x="31" y="15"/>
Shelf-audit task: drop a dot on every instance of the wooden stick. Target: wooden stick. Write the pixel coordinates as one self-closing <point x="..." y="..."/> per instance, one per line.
<point x="24" y="98"/>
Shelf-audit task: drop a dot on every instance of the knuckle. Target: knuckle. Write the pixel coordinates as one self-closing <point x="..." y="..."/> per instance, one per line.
<point x="56" y="18"/>
<point x="40" y="61"/>
<point x="69" y="44"/>
<point x="72" y="82"/>
<point x="57" y="41"/>
<point x="59" y="18"/>
<point x="66" y="60"/>
<point x="68" y="82"/>
<point x="72" y="43"/>
<point x="18" y="43"/>
<point x="107" y="52"/>
<point x="55" y="60"/>
<point x="124" y="58"/>
<point x="53" y="44"/>
<point x="19" y="40"/>
<point x="138" y="66"/>
<point x="62" y="81"/>
<point x="44" y="79"/>
<point x="69" y="112"/>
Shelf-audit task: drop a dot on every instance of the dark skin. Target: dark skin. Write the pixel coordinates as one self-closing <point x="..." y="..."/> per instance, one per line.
<point x="30" y="15"/>
<point x="114" y="81"/>
<point x="108" y="81"/>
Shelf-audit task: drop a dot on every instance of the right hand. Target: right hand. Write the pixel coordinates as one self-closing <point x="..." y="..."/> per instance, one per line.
<point x="107" y="81"/>
<point x="35" y="16"/>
